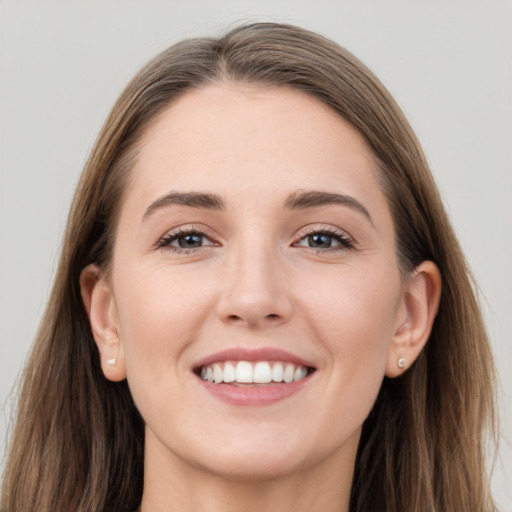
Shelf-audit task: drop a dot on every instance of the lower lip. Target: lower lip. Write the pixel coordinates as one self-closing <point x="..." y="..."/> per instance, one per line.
<point x="253" y="395"/>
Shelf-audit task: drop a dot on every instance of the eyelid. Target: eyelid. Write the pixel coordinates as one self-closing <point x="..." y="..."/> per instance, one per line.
<point x="164" y="242"/>
<point x="345" y="239"/>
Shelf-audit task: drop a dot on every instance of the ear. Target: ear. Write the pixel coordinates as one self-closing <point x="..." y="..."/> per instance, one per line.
<point x="416" y="315"/>
<point x="101" y="309"/>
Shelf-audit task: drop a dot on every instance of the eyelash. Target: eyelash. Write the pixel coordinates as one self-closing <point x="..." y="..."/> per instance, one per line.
<point x="345" y="241"/>
<point x="167" y="240"/>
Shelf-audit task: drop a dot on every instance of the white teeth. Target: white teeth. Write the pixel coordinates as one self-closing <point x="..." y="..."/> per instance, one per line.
<point x="244" y="372"/>
<point x="300" y="373"/>
<point x="229" y="372"/>
<point x="218" y="374"/>
<point x="277" y="372"/>
<point x="289" y="371"/>
<point x="260" y="372"/>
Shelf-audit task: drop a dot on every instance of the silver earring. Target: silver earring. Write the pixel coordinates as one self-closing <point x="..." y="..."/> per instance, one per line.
<point x="401" y="363"/>
<point x="111" y="362"/>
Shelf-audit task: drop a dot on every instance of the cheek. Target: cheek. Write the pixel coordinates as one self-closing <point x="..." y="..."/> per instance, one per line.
<point x="158" y="315"/>
<point x="356" y="306"/>
<point x="354" y="316"/>
<point x="354" y="322"/>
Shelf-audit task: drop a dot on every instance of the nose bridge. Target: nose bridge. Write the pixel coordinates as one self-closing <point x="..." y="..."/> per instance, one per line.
<point x="254" y="291"/>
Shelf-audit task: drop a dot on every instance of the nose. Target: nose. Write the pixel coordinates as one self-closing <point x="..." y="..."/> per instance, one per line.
<point x="254" y="291"/>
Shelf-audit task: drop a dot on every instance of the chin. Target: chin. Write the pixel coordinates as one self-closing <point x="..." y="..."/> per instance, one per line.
<point x="249" y="455"/>
<point x="253" y="467"/>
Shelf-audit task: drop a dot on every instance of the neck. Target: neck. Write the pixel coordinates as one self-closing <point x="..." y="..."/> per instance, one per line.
<point x="172" y="485"/>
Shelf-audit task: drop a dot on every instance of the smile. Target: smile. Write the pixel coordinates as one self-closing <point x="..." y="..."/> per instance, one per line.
<point x="253" y="377"/>
<point x="259" y="372"/>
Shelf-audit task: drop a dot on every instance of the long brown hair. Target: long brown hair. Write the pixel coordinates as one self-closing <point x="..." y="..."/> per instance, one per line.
<point x="78" y="442"/>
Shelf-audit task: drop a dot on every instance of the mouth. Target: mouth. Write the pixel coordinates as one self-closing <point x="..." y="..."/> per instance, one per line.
<point x="255" y="373"/>
<point x="253" y="377"/>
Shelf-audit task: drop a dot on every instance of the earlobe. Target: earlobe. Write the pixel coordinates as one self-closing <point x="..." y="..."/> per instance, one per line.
<point x="100" y="307"/>
<point x="418" y="310"/>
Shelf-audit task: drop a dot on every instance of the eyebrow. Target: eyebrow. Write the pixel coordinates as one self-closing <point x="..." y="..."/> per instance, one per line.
<point x="295" y="201"/>
<point x="190" y="199"/>
<point x="314" y="198"/>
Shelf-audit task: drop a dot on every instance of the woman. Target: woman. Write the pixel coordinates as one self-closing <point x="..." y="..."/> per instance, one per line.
<point x="260" y="302"/>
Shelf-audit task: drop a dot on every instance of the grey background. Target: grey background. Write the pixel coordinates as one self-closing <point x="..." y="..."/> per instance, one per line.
<point x="63" y="63"/>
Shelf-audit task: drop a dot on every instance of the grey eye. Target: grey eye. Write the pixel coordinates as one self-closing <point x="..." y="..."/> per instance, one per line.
<point x="189" y="241"/>
<point x="324" y="240"/>
<point x="320" y="241"/>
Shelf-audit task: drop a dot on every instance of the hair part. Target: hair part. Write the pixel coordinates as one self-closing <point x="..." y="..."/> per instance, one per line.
<point x="79" y="440"/>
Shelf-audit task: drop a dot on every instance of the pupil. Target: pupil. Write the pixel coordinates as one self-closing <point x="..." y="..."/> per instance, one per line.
<point x="190" y="240"/>
<point x="320" y="240"/>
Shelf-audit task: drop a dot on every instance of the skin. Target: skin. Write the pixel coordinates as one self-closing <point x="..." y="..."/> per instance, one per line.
<point x="255" y="282"/>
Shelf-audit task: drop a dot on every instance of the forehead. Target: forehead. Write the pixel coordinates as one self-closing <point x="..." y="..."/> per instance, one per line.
<point x="230" y="133"/>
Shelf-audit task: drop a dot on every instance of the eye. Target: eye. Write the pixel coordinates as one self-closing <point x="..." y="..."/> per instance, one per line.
<point x="182" y="239"/>
<point x="189" y="241"/>
<point x="325" y="240"/>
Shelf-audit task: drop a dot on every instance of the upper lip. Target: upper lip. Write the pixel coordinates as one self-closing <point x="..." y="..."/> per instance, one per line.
<point x="257" y="354"/>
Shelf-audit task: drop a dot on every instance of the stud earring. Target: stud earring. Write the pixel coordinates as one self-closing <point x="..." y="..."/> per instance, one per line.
<point x="111" y="362"/>
<point x="401" y="363"/>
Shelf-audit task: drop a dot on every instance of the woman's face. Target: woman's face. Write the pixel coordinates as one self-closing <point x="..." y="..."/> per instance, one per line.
<point x="254" y="243"/>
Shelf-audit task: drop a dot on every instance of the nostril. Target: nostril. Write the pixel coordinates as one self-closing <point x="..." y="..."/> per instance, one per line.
<point x="272" y="317"/>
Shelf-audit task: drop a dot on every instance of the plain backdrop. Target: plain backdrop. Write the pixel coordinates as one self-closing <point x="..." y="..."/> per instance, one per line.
<point x="63" y="63"/>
